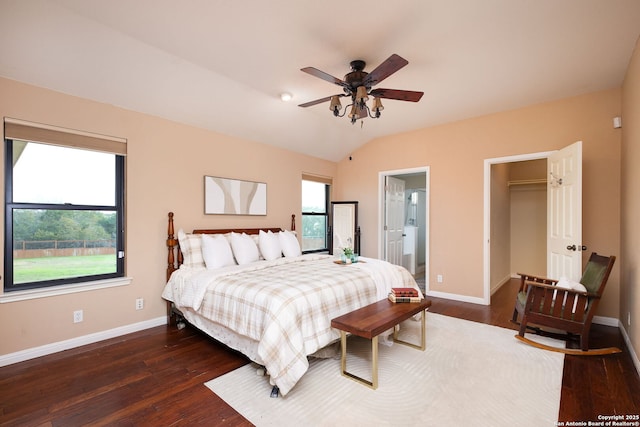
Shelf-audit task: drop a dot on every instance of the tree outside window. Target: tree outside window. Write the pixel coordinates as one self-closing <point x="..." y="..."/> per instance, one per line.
<point x="315" y="202"/>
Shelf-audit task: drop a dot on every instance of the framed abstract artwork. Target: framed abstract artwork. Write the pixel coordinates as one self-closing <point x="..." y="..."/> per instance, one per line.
<point x="224" y="196"/>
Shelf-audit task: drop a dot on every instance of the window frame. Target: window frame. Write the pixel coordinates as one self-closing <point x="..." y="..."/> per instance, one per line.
<point x="327" y="199"/>
<point x="11" y="206"/>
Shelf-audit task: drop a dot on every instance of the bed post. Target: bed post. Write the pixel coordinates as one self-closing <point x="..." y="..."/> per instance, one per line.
<point x="171" y="244"/>
<point x="293" y="222"/>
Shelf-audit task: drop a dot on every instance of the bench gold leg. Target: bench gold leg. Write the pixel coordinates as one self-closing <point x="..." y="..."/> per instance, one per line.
<point x="374" y="362"/>
<point x="374" y="353"/>
<point x="423" y="341"/>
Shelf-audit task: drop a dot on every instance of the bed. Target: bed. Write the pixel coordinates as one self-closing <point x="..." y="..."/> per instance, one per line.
<point x="254" y="291"/>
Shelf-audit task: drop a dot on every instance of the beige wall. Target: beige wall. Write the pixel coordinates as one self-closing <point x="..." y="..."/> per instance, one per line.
<point x="455" y="153"/>
<point x="528" y="204"/>
<point x="165" y="166"/>
<point x="167" y="161"/>
<point x="630" y="227"/>
<point x="529" y="229"/>
<point x="500" y="226"/>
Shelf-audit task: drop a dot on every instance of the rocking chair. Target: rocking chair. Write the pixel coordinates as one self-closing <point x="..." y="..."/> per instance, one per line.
<point x="562" y="305"/>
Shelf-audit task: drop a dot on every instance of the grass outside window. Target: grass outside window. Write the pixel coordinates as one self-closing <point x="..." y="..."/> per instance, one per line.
<point x="51" y="268"/>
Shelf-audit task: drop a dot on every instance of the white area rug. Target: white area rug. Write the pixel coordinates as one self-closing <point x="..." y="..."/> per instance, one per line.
<point x="469" y="374"/>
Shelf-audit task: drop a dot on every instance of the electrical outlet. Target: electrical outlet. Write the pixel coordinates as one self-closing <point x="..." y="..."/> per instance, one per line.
<point x="77" y="316"/>
<point x="439" y="278"/>
<point x="139" y="303"/>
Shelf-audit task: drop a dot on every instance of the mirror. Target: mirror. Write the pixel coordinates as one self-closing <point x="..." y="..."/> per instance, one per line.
<point x="343" y="227"/>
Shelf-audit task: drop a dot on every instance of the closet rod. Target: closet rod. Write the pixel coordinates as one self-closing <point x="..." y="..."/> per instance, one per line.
<point x="526" y="182"/>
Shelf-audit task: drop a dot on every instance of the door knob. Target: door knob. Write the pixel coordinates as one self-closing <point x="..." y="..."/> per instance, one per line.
<point x="571" y="247"/>
<point x="583" y="248"/>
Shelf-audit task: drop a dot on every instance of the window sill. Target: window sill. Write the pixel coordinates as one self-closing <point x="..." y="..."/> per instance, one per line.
<point x="316" y="251"/>
<point x="63" y="290"/>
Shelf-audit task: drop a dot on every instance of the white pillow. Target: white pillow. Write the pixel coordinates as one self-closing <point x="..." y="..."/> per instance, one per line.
<point x="256" y="240"/>
<point x="269" y="244"/>
<point x="244" y="248"/>
<point x="289" y="243"/>
<point x="565" y="283"/>
<point x="191" y="247"/>
<point x="216" y="251"/>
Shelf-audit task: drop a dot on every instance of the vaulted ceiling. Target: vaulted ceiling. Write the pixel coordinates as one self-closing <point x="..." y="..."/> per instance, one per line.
<point x="222" y="65"/>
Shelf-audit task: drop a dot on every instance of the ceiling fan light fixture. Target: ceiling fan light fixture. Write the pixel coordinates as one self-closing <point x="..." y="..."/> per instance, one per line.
<point x="353" y="114"/>
<point x="361" y="95"/>
<point x="335" y="106"/>
<point x="377" y="104"/>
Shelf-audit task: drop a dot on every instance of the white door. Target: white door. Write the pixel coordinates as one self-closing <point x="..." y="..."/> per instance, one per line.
<point x="394" y="219"/>
<point x="564" y="213"/>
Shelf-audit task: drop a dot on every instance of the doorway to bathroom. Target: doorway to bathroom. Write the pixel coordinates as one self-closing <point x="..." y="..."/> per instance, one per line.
<point x="404" y="220"/>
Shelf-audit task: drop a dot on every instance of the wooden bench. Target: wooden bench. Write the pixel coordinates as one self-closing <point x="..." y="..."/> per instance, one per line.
<point x="372" y="320"/>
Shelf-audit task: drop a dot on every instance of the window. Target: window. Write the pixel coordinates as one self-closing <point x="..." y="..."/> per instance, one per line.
<point x="315" y="214"/>
<point x="64" y="208"/>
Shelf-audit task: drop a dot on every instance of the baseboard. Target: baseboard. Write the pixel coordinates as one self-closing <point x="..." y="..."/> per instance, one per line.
<point x="632" y="352"/>
<point x="500" y="284"/>
<point x="456" y="297"/>
<point x="612" y="321"/>
<point x="606" y="321"/>
<point x="32" y="353"/>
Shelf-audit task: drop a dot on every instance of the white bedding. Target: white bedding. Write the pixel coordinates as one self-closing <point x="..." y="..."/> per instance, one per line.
<point x="284" y="305"/>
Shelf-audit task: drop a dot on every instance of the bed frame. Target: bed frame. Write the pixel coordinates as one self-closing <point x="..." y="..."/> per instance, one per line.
<point x="174" y="258"/>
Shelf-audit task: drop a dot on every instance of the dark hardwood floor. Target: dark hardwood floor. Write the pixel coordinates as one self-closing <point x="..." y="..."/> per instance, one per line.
<point x="156" y="377"/>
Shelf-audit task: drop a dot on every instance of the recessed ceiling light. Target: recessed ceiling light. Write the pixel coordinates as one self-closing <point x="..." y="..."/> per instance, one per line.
<point x="286" y="96"/>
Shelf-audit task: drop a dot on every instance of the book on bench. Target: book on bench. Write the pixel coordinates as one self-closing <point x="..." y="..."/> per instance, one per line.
<point x="398" y="299"/>
<point x="405" y="292"/>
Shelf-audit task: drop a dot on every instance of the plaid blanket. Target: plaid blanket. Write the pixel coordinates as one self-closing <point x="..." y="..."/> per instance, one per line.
<point x="287" y="305"/>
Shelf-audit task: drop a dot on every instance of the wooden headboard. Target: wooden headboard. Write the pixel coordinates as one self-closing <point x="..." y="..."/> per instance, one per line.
<point x="174" y="258"/>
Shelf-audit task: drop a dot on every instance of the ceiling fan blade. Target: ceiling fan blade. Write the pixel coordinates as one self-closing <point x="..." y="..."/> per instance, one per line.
<point x="400" y="95"/>
<point x="384" y="70"/>
<point x="324" y="76"/>
<point x="317" y="101"/>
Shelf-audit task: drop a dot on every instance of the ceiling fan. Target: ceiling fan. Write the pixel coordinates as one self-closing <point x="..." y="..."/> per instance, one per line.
<point x="358" y="85"/>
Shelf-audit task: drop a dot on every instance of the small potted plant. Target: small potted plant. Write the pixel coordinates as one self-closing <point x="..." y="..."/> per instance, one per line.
<point x="348" y="254"/>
